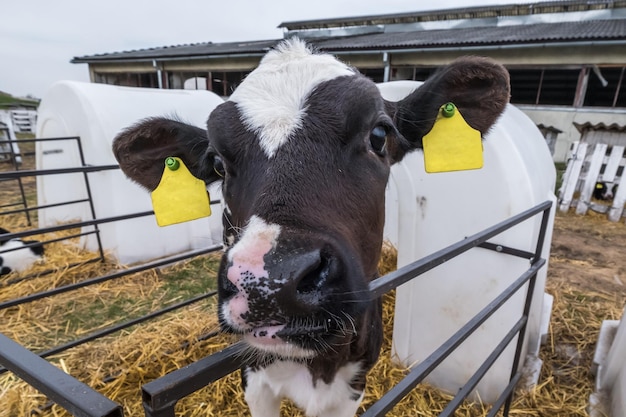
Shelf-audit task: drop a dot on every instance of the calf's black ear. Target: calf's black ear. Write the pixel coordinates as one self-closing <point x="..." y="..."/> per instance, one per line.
<point x="479" y="87"/>
<point x="141" y="150"/>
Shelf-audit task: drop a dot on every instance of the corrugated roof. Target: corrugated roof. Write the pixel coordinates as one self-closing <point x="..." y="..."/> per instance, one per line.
<point x="613" y="127"/>
<point x="598" y="30"/>
<point x="183" y="51"/>
<point x="458" y="13"/>
<point x="550" y="128"/>
<point x="483" y="36"/>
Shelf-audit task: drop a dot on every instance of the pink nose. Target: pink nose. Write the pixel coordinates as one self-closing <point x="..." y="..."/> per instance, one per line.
<point x="292" y="283"/>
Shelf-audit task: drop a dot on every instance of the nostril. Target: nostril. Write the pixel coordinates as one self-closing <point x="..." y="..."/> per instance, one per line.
<point x="315" y="277"/>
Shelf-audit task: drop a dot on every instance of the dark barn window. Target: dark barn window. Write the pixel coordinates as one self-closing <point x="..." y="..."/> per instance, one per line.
<point x="558" y="87"/>
<point x="224" y="83"/>
<point x="610" y="95"/>
<point x="422" y="74"/>
<point x="525" y="85"/>
<point x="375" y="74"/>
<point x="129" y="79"/>
<point x="544" y="86"/>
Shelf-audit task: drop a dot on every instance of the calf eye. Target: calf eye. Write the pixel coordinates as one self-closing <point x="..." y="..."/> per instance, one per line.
<point x="218" y="166"/>
<point x="378" y="139"/>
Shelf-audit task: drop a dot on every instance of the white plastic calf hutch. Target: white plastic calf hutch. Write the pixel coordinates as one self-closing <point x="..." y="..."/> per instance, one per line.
<point x="609" y="367"/>
<point x="96" y="113"/>
<point x="427" y="212"/>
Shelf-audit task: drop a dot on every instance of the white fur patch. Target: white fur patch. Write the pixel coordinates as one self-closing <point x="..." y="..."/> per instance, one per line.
<point x="286" y="379"/>
<point x="256" y="231"/>
<point x="18" y="260"/>
<point x="272" y="97"/>
<point x="248" y="268"/>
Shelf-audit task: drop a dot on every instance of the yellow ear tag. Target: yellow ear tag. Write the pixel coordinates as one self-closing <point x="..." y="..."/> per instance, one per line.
<point x="452" y="144"/>
<point x="179" y="197"/>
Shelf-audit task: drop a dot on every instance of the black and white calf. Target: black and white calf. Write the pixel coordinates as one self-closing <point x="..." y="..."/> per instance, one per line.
<point x="604" y="191"/>
<point x="303" y="149"/>
<point x="14" y="259"/>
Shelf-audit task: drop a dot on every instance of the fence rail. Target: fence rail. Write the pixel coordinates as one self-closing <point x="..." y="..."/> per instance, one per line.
<point x="161" y="395"/>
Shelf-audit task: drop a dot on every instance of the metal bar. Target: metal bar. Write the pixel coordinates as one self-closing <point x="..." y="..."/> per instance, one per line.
<point x="24" y="202"/>
<point x="508" y="391"/>
<point x="68" y="226"/>
<point x="92" y="208"/>
<point x="39" y="172"/>
<point x="11" y="205"/>
<point x="417" y="374"/>
<point x="618" y="88"/>
<point x="505" y="249"/>
<point x="121" y="326"/>
<point x="30" y="245"/>
<point x="61" y="227"/>
<point x="126" y="324"/>
<point x="482" y="370"/>
<point x="543" y="228"/>
<point x="43" y="139"/>
<point x="384" y="284"/>
<point x="160" y="396"/>
<point x="42" y="207"/>
<point x="529" y="297"/>
<point x="71" y="394"/>
<point x="77" y="285"/>
<point x="17" y="153"/>
<point x="46" y="272"/>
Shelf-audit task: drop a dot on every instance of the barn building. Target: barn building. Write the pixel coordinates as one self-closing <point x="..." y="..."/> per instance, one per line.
<point x="567" y="59"/>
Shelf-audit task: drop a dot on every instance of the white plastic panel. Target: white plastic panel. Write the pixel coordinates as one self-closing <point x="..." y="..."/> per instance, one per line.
<point x="97" y="113"/>
<point x="427" y="212"/>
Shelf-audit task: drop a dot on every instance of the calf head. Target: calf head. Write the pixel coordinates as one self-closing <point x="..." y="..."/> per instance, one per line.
<point x="303" y="150"/>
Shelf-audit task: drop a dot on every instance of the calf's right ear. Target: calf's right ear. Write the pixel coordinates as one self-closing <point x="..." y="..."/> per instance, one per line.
<point x="141" y="150"/>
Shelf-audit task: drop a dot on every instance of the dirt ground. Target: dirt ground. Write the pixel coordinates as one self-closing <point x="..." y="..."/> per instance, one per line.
<point x="589" y="253"/>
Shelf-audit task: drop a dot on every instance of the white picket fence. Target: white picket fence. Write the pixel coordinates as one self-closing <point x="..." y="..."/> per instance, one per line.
<point x="588" y="165"/>
<point x="24" y="120"/>
<point x="9" y="149"/>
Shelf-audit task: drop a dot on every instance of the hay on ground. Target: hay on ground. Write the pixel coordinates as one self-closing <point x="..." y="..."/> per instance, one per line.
<point x="118" y="365"/>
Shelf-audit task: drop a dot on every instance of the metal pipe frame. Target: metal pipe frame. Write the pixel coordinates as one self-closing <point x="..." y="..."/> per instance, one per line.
<point x="97" y="280"/>
<point x="71" y="394"/>
<point x="161" y="395"/>
<point x="421" y="371"/>
<point x="384" y="284"/>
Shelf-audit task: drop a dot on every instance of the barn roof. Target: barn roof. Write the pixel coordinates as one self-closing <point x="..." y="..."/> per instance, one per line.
<point x="188" y="50"/>
<point x="588" y="126"/>
<point x="488" y="26"/>
<point x="514" y="10"/>
<point x="595" y="30"/>
<point x="503" y="35"/>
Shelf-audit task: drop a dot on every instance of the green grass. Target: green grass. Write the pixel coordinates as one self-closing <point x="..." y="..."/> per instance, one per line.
<point x="198" y="277"/>
<point x="7" y="100"/>
<point x="81" y="316"/>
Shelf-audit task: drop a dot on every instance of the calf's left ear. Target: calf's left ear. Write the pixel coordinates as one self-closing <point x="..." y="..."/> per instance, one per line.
<point x="141" y="150"/>
<point x="479" y="87"/>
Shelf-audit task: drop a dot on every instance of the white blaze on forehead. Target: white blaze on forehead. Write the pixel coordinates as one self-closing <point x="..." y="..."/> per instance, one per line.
<point x="271" y="98"/>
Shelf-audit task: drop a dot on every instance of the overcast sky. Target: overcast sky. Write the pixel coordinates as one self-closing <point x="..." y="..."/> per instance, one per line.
<point x="38" y="38"/>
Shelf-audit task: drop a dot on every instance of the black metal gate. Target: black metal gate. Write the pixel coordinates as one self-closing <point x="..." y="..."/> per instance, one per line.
<point x="161" y="395"/>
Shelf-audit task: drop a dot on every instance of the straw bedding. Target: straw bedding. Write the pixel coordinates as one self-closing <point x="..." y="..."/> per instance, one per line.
<point x="118" y="365"/>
